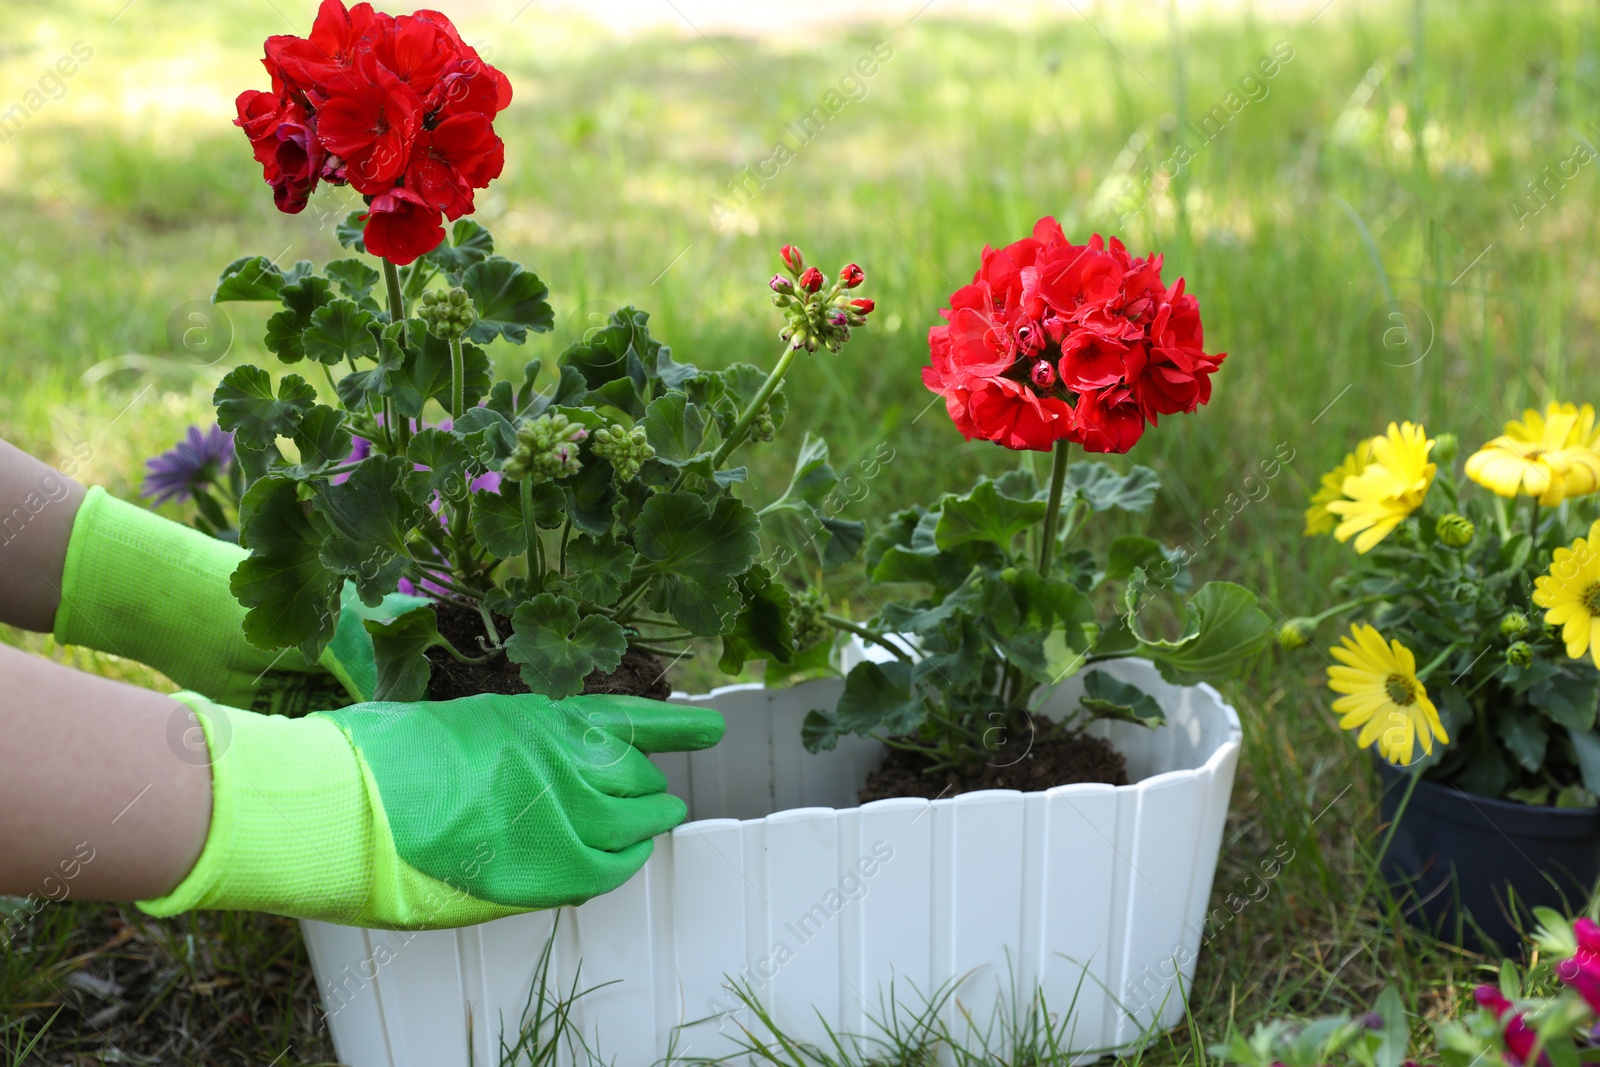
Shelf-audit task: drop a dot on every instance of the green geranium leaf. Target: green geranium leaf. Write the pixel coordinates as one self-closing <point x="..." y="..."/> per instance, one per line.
<point x="879" y="699"/>
<point x="675" y="428"/>
<point x="355" y="279"/>
<point x="1130" y="553"/>
<point x="369" y="506"/>
<point x="1106" y="698"/>
<point x="425" y="374"/>
<point x="820" y="732"/>
<point x="488" y="435"/>
<point x="558" y="649"/>
<point x="680" y="534"/>
<point x="741" y="382"/>
<point x="445" y="458"/>
<point x="246" y="405"/>
<point x="469" y="243"/>
<point x="322" y="438"/>
<point x="358" y="388"/>
<point x="497" y="521"/>
<point x="400" y="648"/>
<point x="510" y="301"/>
<point x="592" y="497"/>
<point x="349" y="232"/>
<point x="704" y="607"/>
<point x="293" y="599"/>
<point x="340" y="330"/>
<point x="761" y="629"/>
<point x="285" y="337"/>
<point x="598" y="567"/>
<point x="1568" y="699"/>
<point x="248" y="278"/>
<point x="985" y="515"/>
<point x="812" y="480"/>
<point x="1223" y="626"/>
<point x="840" y="541"/>
<point x="1101" y="487"/>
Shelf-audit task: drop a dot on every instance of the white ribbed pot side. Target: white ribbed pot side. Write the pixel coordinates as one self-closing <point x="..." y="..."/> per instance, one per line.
<point x="1094" y="894"/>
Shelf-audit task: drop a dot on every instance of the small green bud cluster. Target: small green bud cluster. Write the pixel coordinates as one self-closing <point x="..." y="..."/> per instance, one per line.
<point x="448" y="315"/>
<point x="805" y="617"/>
<point x="1514" y="624"/>
<point x="1455" y="530"/>
<point x="1520" y="654"/>
<point x="1445" y="449"/>
<point x="763" y="428"/>
<point x="626" y="449"/>
<point x="547" y="449"/>
<point x="817" y="312"/>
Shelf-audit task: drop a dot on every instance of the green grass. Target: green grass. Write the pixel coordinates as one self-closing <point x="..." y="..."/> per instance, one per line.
<point x="1381" y="164"/>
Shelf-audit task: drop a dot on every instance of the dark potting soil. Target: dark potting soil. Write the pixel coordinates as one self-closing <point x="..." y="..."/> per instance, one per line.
<point x="1057" y="758"/>
<point x="639" y="673"/>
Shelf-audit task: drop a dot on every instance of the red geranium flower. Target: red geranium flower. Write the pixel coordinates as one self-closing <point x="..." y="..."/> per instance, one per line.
<point x="401" y="109"/>
<point x="1123" y="348"/>
<point x="401" y="226"/>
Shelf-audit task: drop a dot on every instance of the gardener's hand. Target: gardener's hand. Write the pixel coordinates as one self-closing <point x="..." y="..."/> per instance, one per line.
<point x="415" y="816"/>
<point x="148" y="589"/>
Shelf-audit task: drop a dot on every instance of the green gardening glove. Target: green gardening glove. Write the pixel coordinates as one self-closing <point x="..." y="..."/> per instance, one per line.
<point x="156" y="591"/>
<point x="427" y="815"/>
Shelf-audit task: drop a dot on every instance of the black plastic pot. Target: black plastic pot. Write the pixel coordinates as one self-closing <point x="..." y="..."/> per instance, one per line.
<point x="1469" y="869"/>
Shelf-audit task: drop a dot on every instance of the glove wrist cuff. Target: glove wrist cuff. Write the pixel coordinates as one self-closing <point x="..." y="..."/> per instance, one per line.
<point x="292" y="829"/>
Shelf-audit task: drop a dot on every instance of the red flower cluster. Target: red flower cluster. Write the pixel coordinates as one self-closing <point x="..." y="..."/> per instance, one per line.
<point x="1055" y="340"/>
<point x="401" y="109"/>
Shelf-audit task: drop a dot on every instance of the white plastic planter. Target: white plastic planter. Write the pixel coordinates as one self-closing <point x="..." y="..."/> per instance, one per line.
<point x="1094" y="894"/>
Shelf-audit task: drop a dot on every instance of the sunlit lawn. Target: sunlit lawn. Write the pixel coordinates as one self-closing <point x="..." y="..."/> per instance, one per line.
<point x="1385" y="159"/>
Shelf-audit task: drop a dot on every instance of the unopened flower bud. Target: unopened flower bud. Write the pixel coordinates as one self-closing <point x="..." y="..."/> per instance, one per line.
<point x="780" y="284"/>
<point x="546" y="449"/>
<point x="447" y="314"/>
<point x="626" y="449"/>
<point x="805" y="617"/>
<point x="792" y="259"/>
<point x="1296" y="633"/>
<point x="1514" y="624"/>
<point x="1455" y="530"/>
<point x="763" y="428"/>
<point x="1042" y="374"/>
<point x="1445" y="449"/>
<point x="1520" y="654"/>
<point x="863" y="305"/>
<point x="811" y="280"/>
<point x="837" y="317"/>
<point x="852" y="276"/>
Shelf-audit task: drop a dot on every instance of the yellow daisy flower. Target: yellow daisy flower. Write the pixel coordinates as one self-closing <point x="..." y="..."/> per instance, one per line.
<point x="1388" y="489"/>
<point x="1570" y="593"/>
<point x="1551" y="456"/>
<point x="1319" y="520"/>
<point x="1382" y="696"/>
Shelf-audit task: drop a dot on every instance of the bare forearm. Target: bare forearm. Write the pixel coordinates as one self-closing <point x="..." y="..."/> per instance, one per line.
<point x="105" y="789"/>
<point x="37" y="506"/>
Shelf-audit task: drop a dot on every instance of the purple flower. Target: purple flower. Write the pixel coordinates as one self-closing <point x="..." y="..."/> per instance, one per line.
<point x="197" y="461"/>
<point x="360" y="449"/>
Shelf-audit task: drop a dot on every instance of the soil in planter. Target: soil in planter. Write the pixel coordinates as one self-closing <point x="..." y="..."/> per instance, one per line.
<point x="1060" y="757"/>
<point x="639" y="673"/>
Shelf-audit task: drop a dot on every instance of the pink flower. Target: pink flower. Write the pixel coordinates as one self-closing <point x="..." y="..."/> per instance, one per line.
<point x="1520" y="1040"/>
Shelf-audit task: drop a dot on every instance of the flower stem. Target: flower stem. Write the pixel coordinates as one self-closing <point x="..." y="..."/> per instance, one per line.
<point x="737" y="434"/>
<point x="397" y="430"/>
<point x="525" y="494"/>
<point x="1052" y="515"/>
<point x="1533" y="520"/>
<point x="841" y="623"/>
<point x="397" y="301"/>
<point x="457" y="379"/>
